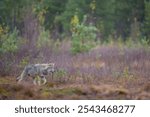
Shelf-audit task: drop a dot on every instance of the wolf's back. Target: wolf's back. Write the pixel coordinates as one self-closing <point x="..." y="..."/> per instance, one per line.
<point x="27" y="71"/>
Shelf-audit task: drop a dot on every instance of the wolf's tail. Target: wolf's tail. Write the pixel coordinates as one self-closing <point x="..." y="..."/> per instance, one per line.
<point x="23" y="75"/>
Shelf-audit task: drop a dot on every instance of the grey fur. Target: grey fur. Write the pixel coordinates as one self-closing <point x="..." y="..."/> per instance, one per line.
<point x="37" y="71"/>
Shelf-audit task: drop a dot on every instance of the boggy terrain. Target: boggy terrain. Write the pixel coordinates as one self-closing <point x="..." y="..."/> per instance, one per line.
<point x="103" y="89"/>
<point x="103" y="73"/>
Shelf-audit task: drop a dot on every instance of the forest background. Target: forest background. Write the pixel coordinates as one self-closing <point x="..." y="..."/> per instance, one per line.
<point x="87" y="39"/>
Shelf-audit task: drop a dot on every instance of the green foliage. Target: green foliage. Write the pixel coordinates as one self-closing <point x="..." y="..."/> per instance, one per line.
<point x="60" y="73"/>
<point x="9" y="42"/>
<point x="74" y="21"/>
<point x="48" y="11"/>
<point x="127" y="73"/>
<point x="56" y="46"/>
<point x="83" y="37"/>
<point x="147" y="19"/>
<point x="106" y="21"/>
<point x="108" y="15"/>
<point x="44" y="38"/>
<point x="145" y="42"/>
<point x="135" y="30"/>
<point x="93" y="5"/>
<point x="24" y="62"/>
<point x="77" y="7"/>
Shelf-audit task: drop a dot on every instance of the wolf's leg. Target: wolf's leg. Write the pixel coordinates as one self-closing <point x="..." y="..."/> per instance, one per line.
<point x="22" y="76"/>
<point x="19" y="80"/>
<point x="44" y="80"/>
<point x="34" y="81"/>
<point x="39" y="80"/>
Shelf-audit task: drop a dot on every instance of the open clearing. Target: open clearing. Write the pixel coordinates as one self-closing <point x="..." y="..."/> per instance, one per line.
<point x="103" y="73"/>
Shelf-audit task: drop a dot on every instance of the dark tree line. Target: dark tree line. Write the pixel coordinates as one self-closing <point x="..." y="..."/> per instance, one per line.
<point x="118" y="18"/>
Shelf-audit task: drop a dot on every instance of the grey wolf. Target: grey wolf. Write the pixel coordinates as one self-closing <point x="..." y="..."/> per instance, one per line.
<point x="38" y="72"/>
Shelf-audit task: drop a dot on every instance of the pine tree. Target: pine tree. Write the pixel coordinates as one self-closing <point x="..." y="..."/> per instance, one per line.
<point x="147" y="19"/>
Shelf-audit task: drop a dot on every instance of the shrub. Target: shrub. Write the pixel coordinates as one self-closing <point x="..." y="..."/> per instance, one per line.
<point x="9" y="42"/>
<point x="61" y="73"/>
<point x="83" y="37"/>
<point x="44" y="38"/>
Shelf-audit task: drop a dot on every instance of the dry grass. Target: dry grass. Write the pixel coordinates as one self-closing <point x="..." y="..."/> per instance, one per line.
<point x="103" y="89"/>
<point x="104" y="73"/>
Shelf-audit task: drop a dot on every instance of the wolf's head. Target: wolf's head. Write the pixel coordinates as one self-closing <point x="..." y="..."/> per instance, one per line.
<point x="50" y="68"/>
